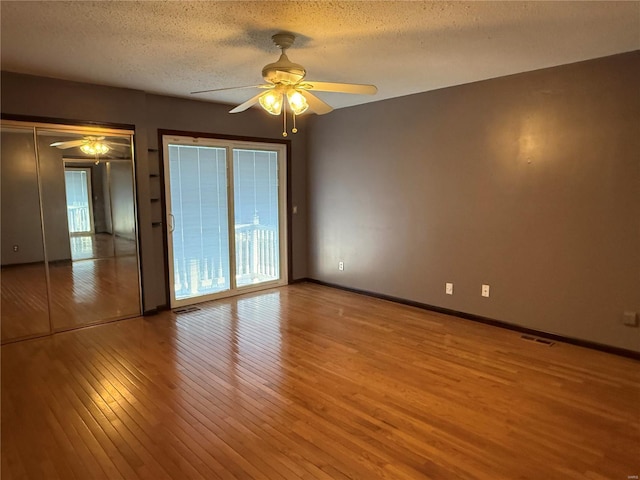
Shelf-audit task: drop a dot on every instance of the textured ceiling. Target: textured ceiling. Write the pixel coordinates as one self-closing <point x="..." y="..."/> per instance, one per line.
<point x="173" y="48"/>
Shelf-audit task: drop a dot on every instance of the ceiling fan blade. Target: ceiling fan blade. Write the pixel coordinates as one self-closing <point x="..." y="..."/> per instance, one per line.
<point x="267" y="85"/>
<point x="315" y="104"/>
<point x="249" y="103"/>
<point x="339" y="87"/>
<point x="118" y="146"/>
<point x="69" y="144"/>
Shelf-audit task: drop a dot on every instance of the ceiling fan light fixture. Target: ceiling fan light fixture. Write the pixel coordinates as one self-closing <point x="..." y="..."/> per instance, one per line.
<point x="297" y="102"/>
<point x="287" y="88"/>
<point x="94" y="147"/>
<point x="272" y="102"/>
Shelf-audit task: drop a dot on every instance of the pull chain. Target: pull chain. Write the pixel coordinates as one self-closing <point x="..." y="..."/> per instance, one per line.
<point x="284" y="117"/>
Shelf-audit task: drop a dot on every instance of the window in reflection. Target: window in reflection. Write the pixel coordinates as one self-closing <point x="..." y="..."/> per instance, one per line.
<point x="79" y="204"/>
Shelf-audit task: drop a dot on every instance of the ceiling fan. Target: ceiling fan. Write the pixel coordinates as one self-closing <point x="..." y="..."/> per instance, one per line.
<point x="92" y="145"/>
<point x="286" y="87"/>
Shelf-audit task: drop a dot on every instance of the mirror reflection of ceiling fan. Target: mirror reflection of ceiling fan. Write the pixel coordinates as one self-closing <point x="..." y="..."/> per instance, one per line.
<point x="287" y="88"/>
<point x="92" y="145"/>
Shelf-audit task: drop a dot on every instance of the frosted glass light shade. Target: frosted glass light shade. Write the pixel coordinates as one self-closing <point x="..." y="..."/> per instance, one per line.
<point x="297" y="102"/>
<point x="272" y="102"/>
<point x="94" y="148"/>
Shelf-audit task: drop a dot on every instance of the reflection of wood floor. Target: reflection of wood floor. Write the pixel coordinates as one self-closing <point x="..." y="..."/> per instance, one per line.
<point x="89" y="291"/>
<point x="82" y="292"/>
<point x="23" y="301"/>
<point x="100" y="245"/>
<point x="311" y="382"/>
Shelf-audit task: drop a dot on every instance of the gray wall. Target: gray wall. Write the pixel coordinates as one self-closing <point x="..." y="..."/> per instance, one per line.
<point x="123" y="206"/>
<point x="54" y="199"/>
<point x="20" y="200"/>
<point x="105" y="199"/>
<point x="58" y="99"/>
<point x="529" y="183"/>
<point x="98" y="174"/>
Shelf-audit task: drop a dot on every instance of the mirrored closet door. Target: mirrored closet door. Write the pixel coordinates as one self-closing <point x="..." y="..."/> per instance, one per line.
<point x="69" y="232"/>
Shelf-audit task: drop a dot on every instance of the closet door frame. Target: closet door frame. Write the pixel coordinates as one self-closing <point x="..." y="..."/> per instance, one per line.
<point x="35" y="124"/>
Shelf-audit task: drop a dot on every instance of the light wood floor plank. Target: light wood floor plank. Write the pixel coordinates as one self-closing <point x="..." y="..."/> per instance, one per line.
<point x="309" y="382"/>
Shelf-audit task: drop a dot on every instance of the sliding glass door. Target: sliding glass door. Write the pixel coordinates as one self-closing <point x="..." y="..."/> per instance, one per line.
<point x="224" y="213"/>
<point x="257" y="216"/>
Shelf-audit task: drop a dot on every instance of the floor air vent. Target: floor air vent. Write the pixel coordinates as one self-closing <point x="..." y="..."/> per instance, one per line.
<point x="542" y="341"/>
<point x="186" y="310"/>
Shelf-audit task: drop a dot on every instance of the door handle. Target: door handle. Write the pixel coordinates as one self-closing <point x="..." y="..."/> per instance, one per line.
<point x="172" y="223"/>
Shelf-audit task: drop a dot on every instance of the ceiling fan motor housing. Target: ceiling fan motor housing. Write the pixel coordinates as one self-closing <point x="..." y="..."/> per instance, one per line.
<point x="283" y="71"/>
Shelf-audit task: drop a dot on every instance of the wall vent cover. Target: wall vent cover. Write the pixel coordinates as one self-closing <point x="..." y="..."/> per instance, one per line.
<point x="186" y="310"/>
<point x="542" y="341"/>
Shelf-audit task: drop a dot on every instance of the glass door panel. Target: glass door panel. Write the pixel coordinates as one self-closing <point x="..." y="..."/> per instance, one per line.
<point x="256" y="207"/>
<point x="88" y="210"/>
<point x="23" y="283"/>
<point x="199" y="225"/>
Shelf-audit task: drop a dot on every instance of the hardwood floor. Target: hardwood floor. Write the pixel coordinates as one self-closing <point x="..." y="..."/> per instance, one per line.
<point x="309" y="382"/>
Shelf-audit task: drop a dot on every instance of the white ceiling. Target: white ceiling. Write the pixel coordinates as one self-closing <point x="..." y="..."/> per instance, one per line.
<point x="174" y="48"/>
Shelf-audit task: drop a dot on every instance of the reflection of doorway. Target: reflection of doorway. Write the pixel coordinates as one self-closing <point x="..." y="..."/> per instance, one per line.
<point x="89" y="211"/>
<point x="79" y="200"/>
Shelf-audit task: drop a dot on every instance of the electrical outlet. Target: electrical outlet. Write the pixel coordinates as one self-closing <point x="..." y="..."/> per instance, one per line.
<point x="16" y="248"/>
<point x="630" y="319"/>
<point x="485" y="290"/>
<point x="341" y="266"/>
<point x="448" y="288"/>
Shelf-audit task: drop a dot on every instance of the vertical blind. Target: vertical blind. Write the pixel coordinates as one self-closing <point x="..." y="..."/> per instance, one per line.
<point x="255" y="187"/>
<point x="199" y="206"/>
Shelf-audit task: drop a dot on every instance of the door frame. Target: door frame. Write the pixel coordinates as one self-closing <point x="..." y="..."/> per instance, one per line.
<point x="284" y="181"/>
